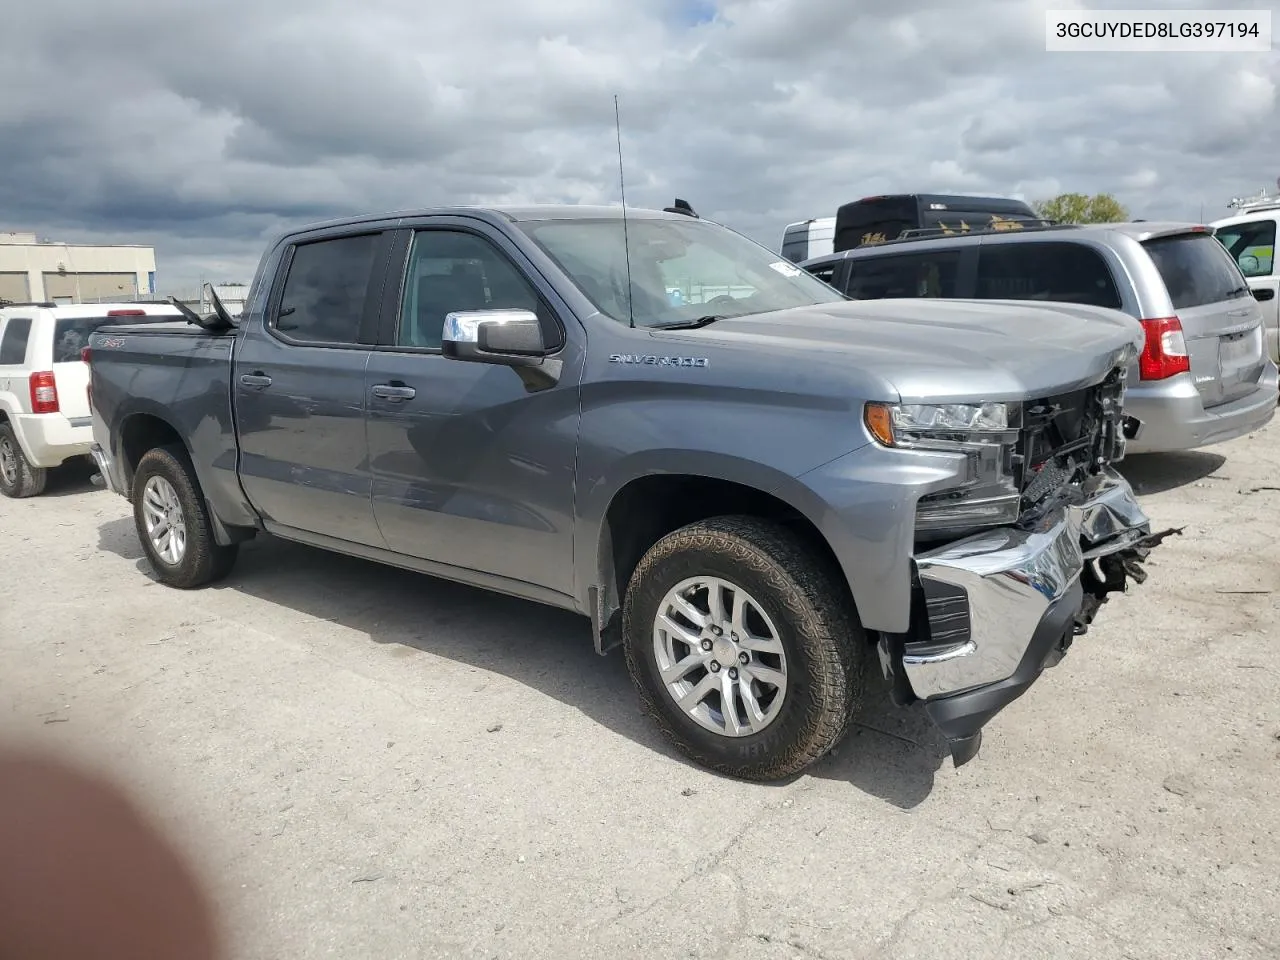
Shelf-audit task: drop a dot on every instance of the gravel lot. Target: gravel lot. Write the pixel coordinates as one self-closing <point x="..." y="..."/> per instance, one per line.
<point x="369" y="763"/>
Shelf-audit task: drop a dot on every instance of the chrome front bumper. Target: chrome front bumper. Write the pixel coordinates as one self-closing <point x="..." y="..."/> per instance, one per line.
<point x="990" y="598"/>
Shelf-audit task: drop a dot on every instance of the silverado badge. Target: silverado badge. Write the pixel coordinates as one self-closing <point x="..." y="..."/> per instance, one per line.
<point x="659" y="361"/>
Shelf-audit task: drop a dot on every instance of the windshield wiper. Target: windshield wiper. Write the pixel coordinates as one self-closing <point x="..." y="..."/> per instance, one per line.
<point x="693" y="324"/>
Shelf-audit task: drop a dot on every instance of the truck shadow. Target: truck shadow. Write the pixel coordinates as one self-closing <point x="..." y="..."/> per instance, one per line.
<point x="1161" y="472"/>
<point x="890" y="753"/>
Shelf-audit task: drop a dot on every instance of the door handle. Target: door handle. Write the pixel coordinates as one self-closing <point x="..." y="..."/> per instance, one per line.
<point x="394" y="392"/>
<point x="258" y="381"/>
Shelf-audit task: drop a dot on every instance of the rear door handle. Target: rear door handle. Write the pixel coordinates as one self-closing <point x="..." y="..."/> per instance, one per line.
<point x="256" y="381"/>
<point x="393" y="392"/>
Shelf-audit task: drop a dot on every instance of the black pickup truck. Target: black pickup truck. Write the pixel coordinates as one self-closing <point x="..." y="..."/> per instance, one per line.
<point x="752" y="484"/>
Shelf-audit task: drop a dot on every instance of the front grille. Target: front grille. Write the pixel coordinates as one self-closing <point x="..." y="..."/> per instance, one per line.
<point x="1064" y="439"/>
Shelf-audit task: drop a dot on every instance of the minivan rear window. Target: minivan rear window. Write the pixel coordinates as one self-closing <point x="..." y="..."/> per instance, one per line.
<point x="70" y="334"/>
<point x="1196" y="269"/>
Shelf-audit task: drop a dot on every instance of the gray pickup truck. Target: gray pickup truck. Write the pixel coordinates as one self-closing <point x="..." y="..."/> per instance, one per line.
<point x="754" y="486"/>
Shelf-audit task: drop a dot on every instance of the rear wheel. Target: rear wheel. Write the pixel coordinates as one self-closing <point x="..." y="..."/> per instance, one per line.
<point x="172" y="521"/>
<point x="18" y="478"/>
<point x="743" y="646"/>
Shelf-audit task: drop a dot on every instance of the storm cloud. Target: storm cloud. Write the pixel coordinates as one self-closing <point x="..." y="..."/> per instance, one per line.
<point x="204" y="129"/>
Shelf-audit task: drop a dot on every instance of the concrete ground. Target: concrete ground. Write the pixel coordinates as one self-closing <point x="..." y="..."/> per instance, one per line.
<point x="369" y="763"/>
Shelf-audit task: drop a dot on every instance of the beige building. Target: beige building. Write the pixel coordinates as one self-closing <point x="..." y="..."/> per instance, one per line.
<point x="39" y="270"/>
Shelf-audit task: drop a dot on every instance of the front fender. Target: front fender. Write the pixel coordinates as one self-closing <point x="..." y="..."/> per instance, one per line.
<point x="864" y="506"/>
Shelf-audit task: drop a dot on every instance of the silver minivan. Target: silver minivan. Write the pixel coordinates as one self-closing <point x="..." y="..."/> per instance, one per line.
<point x="1204" y="375"/>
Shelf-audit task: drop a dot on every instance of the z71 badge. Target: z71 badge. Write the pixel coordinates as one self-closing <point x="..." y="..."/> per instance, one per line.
<point x="659" y="361"/>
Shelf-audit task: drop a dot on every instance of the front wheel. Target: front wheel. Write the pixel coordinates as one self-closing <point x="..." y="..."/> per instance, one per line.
<point x="743" y="646"/>
<point x="173" y="522"/>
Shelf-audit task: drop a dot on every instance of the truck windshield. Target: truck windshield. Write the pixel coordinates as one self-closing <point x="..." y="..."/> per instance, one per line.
<point x="681" y="270"/>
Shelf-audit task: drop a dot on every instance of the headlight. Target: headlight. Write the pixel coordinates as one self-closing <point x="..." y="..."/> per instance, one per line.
<point x="986" y="493"/>
<point x="944" y="425"/>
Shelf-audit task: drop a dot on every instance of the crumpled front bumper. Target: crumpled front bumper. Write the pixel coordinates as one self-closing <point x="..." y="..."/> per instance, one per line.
<point x="1001" y="606"/>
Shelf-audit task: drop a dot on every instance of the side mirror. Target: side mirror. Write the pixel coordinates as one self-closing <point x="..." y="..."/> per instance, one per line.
<point x="1264" y="293"/>
<point x="509" y="337"/>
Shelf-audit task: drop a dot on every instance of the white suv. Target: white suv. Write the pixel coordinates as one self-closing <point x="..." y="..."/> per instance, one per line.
<point x="44" y="384"/>
<point x="1250" y="238"/>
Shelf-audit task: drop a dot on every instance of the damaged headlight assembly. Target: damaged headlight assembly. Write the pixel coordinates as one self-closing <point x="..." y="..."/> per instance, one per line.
<point x="986" y="434"/>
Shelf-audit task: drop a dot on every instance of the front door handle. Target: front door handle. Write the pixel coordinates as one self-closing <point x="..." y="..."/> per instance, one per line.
<point x="394" y="392"/>
<point x="255" y="381"/>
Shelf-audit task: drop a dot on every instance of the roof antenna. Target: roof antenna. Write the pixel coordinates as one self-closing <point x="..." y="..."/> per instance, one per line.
<point x="681" y="206"/>
<point x="626" y="240"/>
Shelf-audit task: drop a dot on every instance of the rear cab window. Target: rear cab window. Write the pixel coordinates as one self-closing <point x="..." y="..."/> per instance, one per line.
<point x="1052" y="271"/>
<point x="13" y="341"/>
<point x="1197" y="270"/>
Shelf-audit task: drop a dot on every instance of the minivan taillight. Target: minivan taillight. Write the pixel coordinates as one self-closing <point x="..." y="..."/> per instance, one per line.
<point x="84" y="354"/>
<point x="1164" y="354"/>
<point x="44" y="393"/>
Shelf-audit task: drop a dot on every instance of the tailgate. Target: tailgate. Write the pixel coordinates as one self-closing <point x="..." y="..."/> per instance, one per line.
<point x="1221" y="321"/>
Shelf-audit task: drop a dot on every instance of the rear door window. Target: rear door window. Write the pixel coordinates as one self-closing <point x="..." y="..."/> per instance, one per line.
<point x="1196" y="269"/>
<point x="932" y="273"/>
<point x="13" y="345"/>
<point x="325" y="291"/>
<point x="1252" y="246"/>
<point x="1061" y="272"/>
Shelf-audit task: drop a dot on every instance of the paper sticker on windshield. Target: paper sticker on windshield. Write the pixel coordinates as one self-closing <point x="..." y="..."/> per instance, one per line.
<point x="786" y="269"/>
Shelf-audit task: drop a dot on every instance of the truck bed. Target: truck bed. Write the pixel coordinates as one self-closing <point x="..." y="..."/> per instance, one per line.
<point x="182" y="372"/>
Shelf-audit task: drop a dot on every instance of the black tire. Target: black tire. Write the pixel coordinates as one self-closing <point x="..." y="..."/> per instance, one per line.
<point x="204" y="560"/>
<point x="28" y="481"/>
<point x="824" y="644"/>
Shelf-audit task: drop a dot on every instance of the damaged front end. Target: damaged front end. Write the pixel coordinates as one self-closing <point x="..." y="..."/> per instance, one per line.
<point x="994" y="608"/>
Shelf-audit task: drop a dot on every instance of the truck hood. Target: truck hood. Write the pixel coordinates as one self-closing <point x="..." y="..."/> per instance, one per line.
<point x="944" y="349"/>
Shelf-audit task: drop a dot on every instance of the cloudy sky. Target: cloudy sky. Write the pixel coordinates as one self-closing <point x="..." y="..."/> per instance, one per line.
<point x="204" y="128"/>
